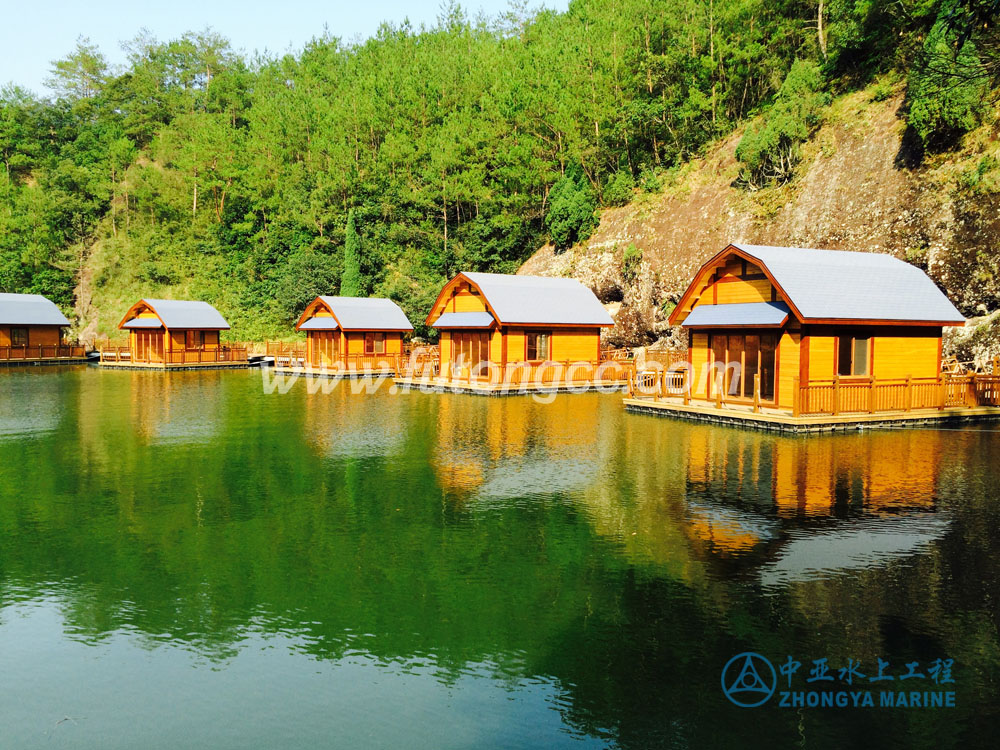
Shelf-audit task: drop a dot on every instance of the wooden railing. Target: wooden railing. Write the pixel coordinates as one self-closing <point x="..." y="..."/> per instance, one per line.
<point x="839" y="396"/>
<point x="61" y="351"/>
<point x="539" y="373"/>
<point x="224" y="354"/>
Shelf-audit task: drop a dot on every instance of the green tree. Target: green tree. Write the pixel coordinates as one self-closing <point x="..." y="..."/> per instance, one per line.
<point x="351" y="284"/>
<point x="947" y="88"/>
<point x="571" y="210"/>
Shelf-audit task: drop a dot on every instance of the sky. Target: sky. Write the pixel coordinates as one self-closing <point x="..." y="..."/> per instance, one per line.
<point x="36" y="33"/>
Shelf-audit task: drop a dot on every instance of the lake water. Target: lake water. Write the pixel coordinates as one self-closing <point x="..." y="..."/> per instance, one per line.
<point x="186" y="561"/>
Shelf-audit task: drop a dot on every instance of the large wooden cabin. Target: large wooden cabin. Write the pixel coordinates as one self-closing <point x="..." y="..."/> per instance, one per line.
<point x="358" y="331"/>
<point x="32" y="329"/>
<point x="816" y="332"/>
<point x="495" y="319"/>
<point x="172" y="333"/>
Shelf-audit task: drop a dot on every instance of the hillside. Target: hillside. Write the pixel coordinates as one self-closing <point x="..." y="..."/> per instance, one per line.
<point x="637" y="137"/>
<point x="854" y="189"/>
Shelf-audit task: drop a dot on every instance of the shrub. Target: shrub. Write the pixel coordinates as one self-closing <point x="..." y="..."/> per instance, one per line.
<point x="618" y="191"/>
<point x="770" y="151"/>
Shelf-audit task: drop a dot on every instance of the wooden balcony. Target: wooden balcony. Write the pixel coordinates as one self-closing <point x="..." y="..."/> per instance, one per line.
<point x="825" y="404"/>
<point x="55" y="353"/>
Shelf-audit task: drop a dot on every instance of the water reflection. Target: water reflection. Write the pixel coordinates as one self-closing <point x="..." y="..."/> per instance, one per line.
<point x="574" y="567"/>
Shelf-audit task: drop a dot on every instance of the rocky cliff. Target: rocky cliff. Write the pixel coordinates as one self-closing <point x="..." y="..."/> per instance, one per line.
<point x="860" y="186"/>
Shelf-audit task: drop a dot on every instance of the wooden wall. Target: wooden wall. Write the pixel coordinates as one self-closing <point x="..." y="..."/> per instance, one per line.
<point x="788" y="366"/>
<point x="896" y="351"/>
<point x="37" y="335"/>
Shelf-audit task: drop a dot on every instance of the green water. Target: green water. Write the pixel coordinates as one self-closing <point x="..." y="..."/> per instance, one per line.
<point x="186" y="561"/>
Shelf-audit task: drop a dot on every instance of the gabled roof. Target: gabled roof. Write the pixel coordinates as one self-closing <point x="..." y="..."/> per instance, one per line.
<point x="360" y="314"/>
<point x="843" y="286"/>
<point x="180" y="314"/>
<point x="29" y="310"/>
<point x="536" y="300"/>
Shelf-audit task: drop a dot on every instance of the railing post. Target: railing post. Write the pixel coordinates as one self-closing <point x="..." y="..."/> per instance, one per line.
<point x="686" y="385"/>
<point x="871" y="396"/>
<point x="756" y="392"/>
<point x="835" y="406"/>
<point x="970" y="393"/>
<point x="719" y="382"/>
<point x="796" y="397"/>
<point x="908" y="402"/>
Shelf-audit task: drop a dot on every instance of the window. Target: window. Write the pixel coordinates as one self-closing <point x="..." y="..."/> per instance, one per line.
<point x="195" y="340"/>
<point x="470" y="348"/>
<point x="18" y="336"/>
<point x="374" y="343"/>
<point x="538" y="346"/>
<point x="852" y="355"/>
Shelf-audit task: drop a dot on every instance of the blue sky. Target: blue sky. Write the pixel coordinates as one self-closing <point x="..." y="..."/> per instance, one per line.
<point x="37" y="33"/>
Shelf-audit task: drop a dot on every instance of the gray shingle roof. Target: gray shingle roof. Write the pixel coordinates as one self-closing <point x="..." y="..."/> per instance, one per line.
<point x="464" y="320"/>
<point x="187" y="314"/>
<point x="740" y="314"/>
<point x="368" y="314"/>
<point x="540" y="300"/>
<point x="29" y="310"/>
<point x="846" y="285"/>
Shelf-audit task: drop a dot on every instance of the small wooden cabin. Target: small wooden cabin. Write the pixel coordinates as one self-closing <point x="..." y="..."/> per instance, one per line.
<point x="175" y="332"/>
<point x="796" y="317"/>
<point x="347" y="329"/>
<point x="501" y="319"/>
<point x="31" y="328"/>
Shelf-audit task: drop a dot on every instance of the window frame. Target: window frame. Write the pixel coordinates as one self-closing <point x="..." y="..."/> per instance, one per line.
<point x="852" y="343"/>
<point x="374" y="340"/>
<point x="20" y="330"/>
<point x="531" y="341"/>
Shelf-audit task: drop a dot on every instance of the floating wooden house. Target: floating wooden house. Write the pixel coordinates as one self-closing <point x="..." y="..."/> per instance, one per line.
<point x="174" y="333"/>
<point x="352" y="332"/>
<point x="492" y="325"/>
<point x="31" y="330"/>
<point x="802" y="333"/>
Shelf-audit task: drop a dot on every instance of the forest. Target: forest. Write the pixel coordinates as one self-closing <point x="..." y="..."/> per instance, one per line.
<point x="385" y="166"/>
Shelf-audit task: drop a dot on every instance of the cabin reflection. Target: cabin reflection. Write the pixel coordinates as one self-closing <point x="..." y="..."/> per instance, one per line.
<point x="30" y="406"/>
<point x="185" y="410"/>
<point x="502" y="448"/>
<point x="753" y="501"/>
<point x="342" y="424"/>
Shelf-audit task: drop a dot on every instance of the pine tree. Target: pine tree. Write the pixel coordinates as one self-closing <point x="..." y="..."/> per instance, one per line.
<point x="350" y="282"/>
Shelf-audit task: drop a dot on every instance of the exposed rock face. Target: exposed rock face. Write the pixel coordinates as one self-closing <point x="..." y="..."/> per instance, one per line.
<point x="853" y="192"/>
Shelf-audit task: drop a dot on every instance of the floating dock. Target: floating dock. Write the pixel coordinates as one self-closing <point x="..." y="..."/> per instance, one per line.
<point x="783" y="421"/>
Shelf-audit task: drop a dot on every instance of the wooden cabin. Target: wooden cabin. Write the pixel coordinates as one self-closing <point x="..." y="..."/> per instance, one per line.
<point x="32" y="329"/>
<point x="784" y="319"/>
<point x="502" y="319"/>
<point x="352" y="331"/>
<point x="166" y="333"/>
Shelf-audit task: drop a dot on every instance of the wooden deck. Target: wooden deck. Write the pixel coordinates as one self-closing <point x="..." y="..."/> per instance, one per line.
<point x="67" y="354"/>
<point x="519" y="378"/>
<point x="827" y="405"/>
<point x="783" y="421"/>
<point x="225" y="358"/>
